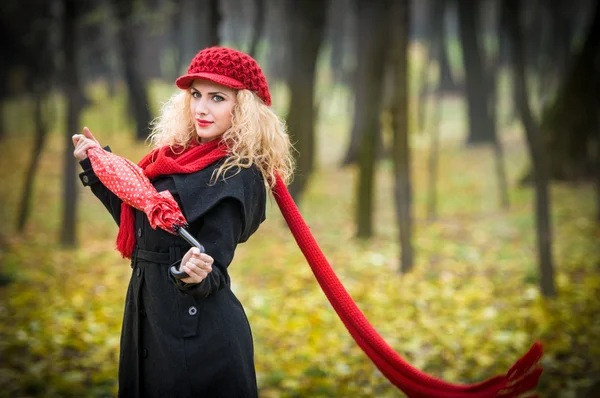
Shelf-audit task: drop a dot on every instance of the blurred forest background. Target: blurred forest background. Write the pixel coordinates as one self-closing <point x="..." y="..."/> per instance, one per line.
<point x="448" y="165"/>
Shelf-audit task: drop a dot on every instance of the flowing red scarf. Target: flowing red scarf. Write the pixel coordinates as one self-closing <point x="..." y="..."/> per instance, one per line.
<point x="522" y="377"/>
<point x="165" y="161"/>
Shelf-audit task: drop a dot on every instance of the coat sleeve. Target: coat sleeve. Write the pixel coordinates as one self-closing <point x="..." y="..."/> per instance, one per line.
<point x="221" y="230"/>
<point x="108" y="199"/>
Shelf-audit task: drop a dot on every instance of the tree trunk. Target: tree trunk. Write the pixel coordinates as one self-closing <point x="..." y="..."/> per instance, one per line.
<point x="438" y="38"/>
<point x="257" y="28"/>
<point x="567" y="127"/>
<point x="424" y="91"/>
<point x="352" y="153"/>
<point x="340" y="36"/>
<point x="562" y="31"/>
<point x="372" y="18"/>
<point x="176" y="47"/>
<point x="480" y="126"/>
<point x="307" y="30"/>
<point x="427" y="36"/>
<point x="2" y="121"/>
<point x="278" y="63"/>
<point x="39" y="142"/>
<point x="598" y="160"/>
<point x="538" y="157"/>
<point x="74" y="96"/>
<point x="209" y="31"/>
<point x="434" y="155"/>
<point x="136" y="86"/>
<point x="400" y="28"/>
<point x="336" y="35"/>
<point x="497" y="144"/>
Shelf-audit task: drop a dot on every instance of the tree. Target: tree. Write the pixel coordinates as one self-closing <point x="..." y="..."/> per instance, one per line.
<point x="307" y="30"/>
<point x="136" y="85"/>
<point x="74" y="95"/>
<point x="371" y="17"/>
<point x="476" y="84"/>
<point x="438" y="38"/>
<point x="432" y="163"/>
<point x="32" y="55"/>
<point x="401" y="153"/>
<point x="209" y="31"/>
<point x="278" y="37"/>
<point x="41" y="132"/>
<point x="341" y="37"/>
<point x="480" y="92"/>
<point x="536" y="151"/>
<point x="257" y="26"/>
<point x="568" y="124"/>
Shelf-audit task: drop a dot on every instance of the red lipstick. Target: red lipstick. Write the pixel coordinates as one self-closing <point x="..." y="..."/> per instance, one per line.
<point x="203" y="123"/>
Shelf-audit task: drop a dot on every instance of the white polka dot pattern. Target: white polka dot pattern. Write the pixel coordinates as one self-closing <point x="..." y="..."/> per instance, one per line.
<point x="128" y="181"/>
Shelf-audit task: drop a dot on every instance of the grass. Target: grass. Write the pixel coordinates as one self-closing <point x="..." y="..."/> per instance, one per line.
<point x="467" y="312"/>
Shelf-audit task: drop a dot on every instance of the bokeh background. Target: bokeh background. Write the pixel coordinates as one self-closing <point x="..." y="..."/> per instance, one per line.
<point x="448" y="165"/>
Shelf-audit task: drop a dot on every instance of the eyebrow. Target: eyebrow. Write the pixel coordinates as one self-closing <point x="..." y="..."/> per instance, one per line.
<point x="211" y="93"/>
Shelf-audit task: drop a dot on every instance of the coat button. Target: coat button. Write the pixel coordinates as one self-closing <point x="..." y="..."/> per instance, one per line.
<point x="85" y="179"/>
<point x="192" y="310"/>
<point x="143" y="312"/>
<point x="138" y="271"/>
<point x="145" y="353"/>
<point x="139" y="232"/>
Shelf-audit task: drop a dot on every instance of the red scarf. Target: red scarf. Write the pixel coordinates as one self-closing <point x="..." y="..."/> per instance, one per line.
<point x="166" y="161"/>
<point x="522" y="377"/>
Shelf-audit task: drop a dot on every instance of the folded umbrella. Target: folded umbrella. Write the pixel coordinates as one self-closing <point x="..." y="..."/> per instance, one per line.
<point x="128" y="181"/>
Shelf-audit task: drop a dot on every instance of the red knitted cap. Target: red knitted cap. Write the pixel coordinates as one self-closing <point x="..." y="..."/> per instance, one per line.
<point x="228" y="67"/>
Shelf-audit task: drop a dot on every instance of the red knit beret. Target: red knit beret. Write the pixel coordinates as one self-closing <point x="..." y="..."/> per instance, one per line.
<point x="228" y="67"/>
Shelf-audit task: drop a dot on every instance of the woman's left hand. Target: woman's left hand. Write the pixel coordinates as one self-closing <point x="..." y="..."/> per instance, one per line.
<point x="197" y="265"/>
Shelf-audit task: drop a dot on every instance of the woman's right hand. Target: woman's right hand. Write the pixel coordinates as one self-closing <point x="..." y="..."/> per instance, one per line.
<point x="83" y="142"/>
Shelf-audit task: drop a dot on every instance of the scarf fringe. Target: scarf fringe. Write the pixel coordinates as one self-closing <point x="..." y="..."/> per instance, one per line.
<point x="126" y="236"/>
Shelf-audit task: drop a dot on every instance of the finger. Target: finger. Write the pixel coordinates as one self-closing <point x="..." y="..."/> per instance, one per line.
<point x="88" y="134"/>
<point x="194" y="262"/>
<point x="206" y="258"/>
<point x="196" y="252"/>
<point x="200" y="262"/>
<point x="196" y="275"/>
<point x="84" y="146"/>
<point x="76" y="138"/>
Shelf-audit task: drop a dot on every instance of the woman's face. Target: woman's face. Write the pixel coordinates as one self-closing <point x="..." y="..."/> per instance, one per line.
<point x="211" y="106"/>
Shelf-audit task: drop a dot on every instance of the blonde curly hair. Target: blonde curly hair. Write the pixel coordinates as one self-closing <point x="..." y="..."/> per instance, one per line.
<point x="257" y="136"/>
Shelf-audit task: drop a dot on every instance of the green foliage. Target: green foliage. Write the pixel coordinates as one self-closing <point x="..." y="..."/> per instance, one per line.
<point x="468" y="311"/>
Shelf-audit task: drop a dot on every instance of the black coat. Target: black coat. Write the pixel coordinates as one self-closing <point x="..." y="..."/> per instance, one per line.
<point x="189" y="340"/>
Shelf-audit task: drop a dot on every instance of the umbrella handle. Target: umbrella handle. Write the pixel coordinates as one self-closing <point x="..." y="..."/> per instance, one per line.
<point x="192" y="241"/>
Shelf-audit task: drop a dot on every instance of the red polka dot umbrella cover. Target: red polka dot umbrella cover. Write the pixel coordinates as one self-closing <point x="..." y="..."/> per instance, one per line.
<point x="128" y="181"/>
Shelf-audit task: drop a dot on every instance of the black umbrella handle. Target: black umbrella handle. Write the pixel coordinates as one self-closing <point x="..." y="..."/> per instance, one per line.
<point x="177" y="273"/>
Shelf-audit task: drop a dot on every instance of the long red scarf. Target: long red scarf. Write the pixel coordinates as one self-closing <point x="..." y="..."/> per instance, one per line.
<point x="522" y="377"/>
<point x="165" y="161"/>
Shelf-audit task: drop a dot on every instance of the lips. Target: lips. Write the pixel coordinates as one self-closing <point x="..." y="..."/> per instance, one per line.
<point x="203" y="123"/>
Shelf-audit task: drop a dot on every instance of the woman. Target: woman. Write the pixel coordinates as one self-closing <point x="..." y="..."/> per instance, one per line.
<point x="218" y="147"/>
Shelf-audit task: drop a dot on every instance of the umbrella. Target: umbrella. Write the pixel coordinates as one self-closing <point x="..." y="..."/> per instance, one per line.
<point x="128" y="181"/>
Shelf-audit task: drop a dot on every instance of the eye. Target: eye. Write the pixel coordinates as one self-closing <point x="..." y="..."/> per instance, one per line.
<point x="195" y="94"/>
<point x="218" y="98"/>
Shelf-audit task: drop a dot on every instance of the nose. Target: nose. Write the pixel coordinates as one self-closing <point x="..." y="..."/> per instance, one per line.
<point x="200" y="106"/>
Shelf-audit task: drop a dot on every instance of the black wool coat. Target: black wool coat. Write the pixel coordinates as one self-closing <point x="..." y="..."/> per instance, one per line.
<point x="188" y="340"/>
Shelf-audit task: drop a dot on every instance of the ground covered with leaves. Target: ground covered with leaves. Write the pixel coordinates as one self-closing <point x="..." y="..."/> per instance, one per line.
<point x="469" y="309"/>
